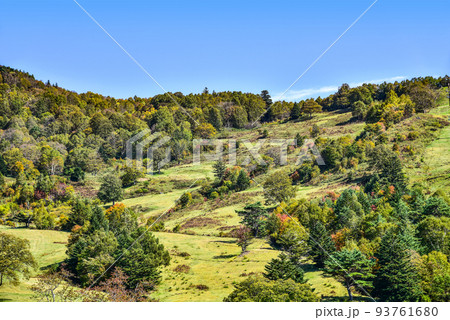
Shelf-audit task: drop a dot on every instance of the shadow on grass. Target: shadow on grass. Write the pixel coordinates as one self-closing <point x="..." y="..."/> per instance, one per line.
<point x="226" y="256"/>
<point x="225" y="241"/>
<point x="344" y="299"/>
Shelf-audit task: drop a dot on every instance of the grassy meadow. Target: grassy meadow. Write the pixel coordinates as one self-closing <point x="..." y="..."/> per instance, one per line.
<point x="205" y="263"/>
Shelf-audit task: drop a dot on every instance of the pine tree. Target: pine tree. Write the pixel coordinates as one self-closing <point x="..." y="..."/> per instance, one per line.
<point x="284" y="268"/>
<point x="320" y="242"/>
<point x="295" y="112"/>
<point x="243" y="181"/>
<point x="254" y="217"/>
<point x="98" y="219"/>
<point x="397" y="279"/>
<point x="219" y="169"/>
<point x="268" y="101"/>
<point x="352" y="268"/>
<point x="299" y="139"/>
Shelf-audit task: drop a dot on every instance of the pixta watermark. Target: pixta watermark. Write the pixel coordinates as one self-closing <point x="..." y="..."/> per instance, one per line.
<point x="155" y="150"/>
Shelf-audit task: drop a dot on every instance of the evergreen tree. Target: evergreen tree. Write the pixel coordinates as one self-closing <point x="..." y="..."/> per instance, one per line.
<point x="268" y="101"/>
<point x="397" y="278"/>
<point x="295" y="111"/>
<point x="219" y="169"/>
<point x="254" y="217"/>
<point x="299" y="139"/>
<point x="352" y="268"/>
<point x="320" y="242"/>
<point x="98" y="219"/>
<point x="243" y="181"/>
<point x="284" y="268"/>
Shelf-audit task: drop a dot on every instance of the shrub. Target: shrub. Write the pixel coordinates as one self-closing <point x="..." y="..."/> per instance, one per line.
<point x="214" y="195"/>
<point x="182" y="268"/>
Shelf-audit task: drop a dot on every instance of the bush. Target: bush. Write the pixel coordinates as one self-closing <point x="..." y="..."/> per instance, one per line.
<point x="258" y="289"/>
<point x="214" y="195"/>
<point x="182" y="268"/>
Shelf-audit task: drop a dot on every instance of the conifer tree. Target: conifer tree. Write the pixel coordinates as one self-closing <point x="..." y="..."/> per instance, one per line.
<point x="284" y="268"/>
<point x="243" y="181"/>
<point x="397" y="278"/>
<point x="320" y="242"/>
<point x="219" y="169"/>
<point x="295" y="112"/>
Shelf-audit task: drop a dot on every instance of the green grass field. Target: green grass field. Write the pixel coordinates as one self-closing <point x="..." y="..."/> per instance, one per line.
<point x="48" y="247"/>
<point x="214" y="263"/>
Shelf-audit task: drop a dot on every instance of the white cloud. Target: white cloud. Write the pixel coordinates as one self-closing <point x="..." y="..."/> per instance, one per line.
<point x="293" y="95"/>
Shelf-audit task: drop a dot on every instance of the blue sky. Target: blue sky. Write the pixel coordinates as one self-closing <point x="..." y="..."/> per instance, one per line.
<point x="224" y="45"/>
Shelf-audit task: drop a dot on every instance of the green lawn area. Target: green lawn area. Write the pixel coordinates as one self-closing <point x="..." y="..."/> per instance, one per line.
<point x="435" y="169"/>
<point x="215" y="262"/>
<point x="48" y="247"/>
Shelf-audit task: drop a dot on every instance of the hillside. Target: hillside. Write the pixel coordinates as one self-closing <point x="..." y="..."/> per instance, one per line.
<point x="67" y="188"/>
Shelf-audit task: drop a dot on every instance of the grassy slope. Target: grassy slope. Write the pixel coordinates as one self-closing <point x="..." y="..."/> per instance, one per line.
<point x="435" y="171"/>
<point x="214" y="261"/>
<point x="48" y="247"/>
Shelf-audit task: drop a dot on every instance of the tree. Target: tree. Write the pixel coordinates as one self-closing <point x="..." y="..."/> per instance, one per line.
<point x="259" y="289"/>
<point x="423" y="97"/>
<point x="359" y="110"/>
<point x="299" y="139"/>
<point x="130" y="176"/>
<point x="42" y="218"/>
<point x="434" y="234"/>
<point x="397" y="278"/>
<point x="389" y="166"/>
<point x="2" y="182"/>
<point x="266" y="98"/>
<point x="254" y="217"/>
<point x="295" y="111"/>
<point x="15" y="258"/>
<point x="244" y="237"/>
<point x="51" y="161"/>
<point x="116" y="289"/>
<point x="110" y="189"/>
<point x="243" y="181"/>
<point x="164" y="120"/>
<point x="437" y="207"/>
<point x="143" y="260"/>
<point x="310" y="107"/>
<point x="321" y="243"/>
<point x="215" y="118"/>
<point x="205" y="131"/>
<point x="284" y="268"/>
<point x="434" y="270"/>
<point x="219" y="169"/>
<point x="56" y="287"/>
<point x="278" y="188"/>
<point x="268" y="102"/>
<point x="351" y="268"/>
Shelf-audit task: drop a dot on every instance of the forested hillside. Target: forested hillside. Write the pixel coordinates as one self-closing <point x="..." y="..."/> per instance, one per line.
<point x="372" y="223"/>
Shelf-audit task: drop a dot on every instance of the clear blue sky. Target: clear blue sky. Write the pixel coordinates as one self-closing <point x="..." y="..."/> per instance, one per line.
<point x="224" y="45"/>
